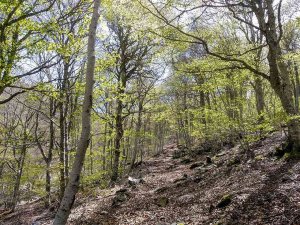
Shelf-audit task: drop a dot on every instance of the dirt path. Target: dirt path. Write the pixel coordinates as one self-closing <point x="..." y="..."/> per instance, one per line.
<point x="159" y="175"/>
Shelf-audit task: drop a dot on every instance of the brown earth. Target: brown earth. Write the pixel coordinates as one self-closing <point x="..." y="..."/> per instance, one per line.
<point x="262" y="189"/>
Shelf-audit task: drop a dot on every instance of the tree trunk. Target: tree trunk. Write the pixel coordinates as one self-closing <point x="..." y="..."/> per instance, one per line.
<point x="119" y="125"/>
<point x="259" y="97"/>
<point x="15" y="197"/>
<point x="297" y="86"/>
<point x="138" y="133"/>
<point x="279" y="79"/>
<point x="119" y="136"/>
<point x="62" y="183"/>
<point x="50" y="153"/>
<point x="67" y="202"/>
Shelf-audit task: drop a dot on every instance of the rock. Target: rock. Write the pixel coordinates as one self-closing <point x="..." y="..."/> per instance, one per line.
<point x="182" y="183"/>
<point x="183" y="178"/>
<point x="161" y="189"/>
<point x="225" y="201"/>
<point x="35" y="223"/>
<point x="202" y="170"/>
<point x="121" y="196"/>
<point x="171" y="167"/>
<point x="196" y="164"/>
<point x="178" y="154"/>
<point x="286" y="178"/>
<point x="279" y="152"/>
<point x="179" y="180"/>
<point x="258" y="158"/>
<point x="162" y="201"/>
<point x="104" y="213"/>
<point x="186" y="161"/>
<point x="185" y="198"/>
<point x="221" y="154"/>
<point x="197" y="179"/>
<point x="122" y="190"/>
<point x="211" y="208"/>
<point x="208" y="160"/>
<point x="236" y="160"/>
<point x="133" y="181"/>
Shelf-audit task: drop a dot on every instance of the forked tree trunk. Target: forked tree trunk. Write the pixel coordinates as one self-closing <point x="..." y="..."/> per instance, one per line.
<point x="279" y="78"/>
<point x="67" y="202"/>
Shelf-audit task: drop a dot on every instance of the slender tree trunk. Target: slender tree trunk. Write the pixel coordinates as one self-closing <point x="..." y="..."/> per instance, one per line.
<point x="297" y="86"/>
<point x="138" y="133"/>
<point x="62" y="183"/>
<point x="50" y="153"/>
<point x="104" y="147"/>
<point x="91" y="157"/>
<point x="67" y="202"/>
<point x="105" y="142"/>
<point x="19" y="174"/>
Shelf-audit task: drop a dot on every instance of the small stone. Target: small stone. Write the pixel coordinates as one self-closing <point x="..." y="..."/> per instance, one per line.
<point x="161" y="189"/>
<point x="221" y="154"/>
<point x="185" y="198"/>
<point x="196" y="164"/>
<point x="133" y="181"/>
<point x="236" y="160"/>
<point x="178" y="154"/>
<point x="104" y="213"/>
<point x="208" y="160"/>
<point x="202" y="170"/>
<point x="286" y="178"/>
<point x="122" y="190"/>
<point x="225" y="201"/>
<point x="186" y="161"/>
<point x="162" y="201"/>
<point x="197" y="179"/>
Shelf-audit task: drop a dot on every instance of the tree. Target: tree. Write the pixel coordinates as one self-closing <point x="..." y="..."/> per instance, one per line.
<point x="132" y="55"/>
<point x="269" y="18"/>
<point x="73" y="184"/>
<point x="18" y="31"/>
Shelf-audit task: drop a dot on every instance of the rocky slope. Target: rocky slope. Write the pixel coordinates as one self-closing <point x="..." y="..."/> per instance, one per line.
<point x="230" y="187"/>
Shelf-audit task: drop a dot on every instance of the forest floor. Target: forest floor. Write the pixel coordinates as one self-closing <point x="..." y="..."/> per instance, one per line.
<point x="256" y="188"/>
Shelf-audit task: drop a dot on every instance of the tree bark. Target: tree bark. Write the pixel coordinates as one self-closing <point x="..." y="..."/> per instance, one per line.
<point x="259" y="97"/>
<point x="279" y="78"/>
<point x="67" y="202"/>
<point x="119" y="136"/>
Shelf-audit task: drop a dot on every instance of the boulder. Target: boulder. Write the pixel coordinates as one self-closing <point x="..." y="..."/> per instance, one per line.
<point x="121" y="196"/>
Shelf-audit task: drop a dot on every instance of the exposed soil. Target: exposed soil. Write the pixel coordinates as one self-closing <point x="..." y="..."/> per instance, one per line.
<point x="262" y="189"/>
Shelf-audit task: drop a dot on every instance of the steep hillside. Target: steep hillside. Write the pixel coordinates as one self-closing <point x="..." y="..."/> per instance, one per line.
<point x="235" y="188"/>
